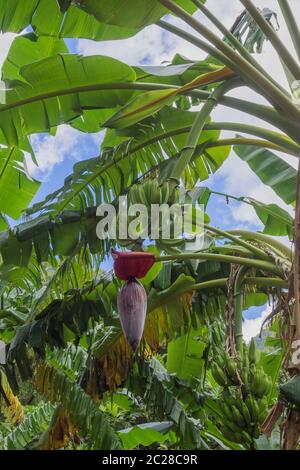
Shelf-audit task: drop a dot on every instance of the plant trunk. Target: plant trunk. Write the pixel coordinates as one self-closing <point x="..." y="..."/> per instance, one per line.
<point x="296" y="273"/>
<point x="290" y="427"/>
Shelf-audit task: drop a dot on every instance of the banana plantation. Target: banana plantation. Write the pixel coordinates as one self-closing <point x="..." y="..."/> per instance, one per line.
<point x="131" y="343"/>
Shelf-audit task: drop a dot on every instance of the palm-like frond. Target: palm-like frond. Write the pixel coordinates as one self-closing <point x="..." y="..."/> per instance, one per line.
<point x="127" y="155"/>
<point x="33" y="424"/>
<point x="83" y="412"/>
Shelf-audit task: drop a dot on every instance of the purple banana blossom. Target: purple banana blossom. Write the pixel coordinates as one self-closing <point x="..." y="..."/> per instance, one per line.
<point x="132" y="307"/>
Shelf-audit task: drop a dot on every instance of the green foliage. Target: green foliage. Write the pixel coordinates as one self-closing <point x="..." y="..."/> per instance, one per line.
<point x="58" y="312"/>
<point x="291" y="391"/>
<point x="58" y="388"/>
<point x="53" y="91"/>
<point x="34" y="423"/>
<point x="185" y="355"/>
<point x="159" y="394"/>
<point x="16" y="182"/>
<point x="28" y="49"/>
<point x="144" y="434"/>
<point x="89" y="19"/>
<point x="271" y="170"/>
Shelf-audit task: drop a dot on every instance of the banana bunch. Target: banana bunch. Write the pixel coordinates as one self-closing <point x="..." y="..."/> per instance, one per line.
<point x="224" y="369"/>
<point x="217" y="334"/>
<point x="150" y="192"/>
<point x="244" y="398"/>
<point x="260" y="384"/>
<point x="243" y="417"/>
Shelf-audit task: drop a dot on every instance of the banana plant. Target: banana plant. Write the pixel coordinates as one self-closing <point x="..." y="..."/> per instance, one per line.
<point x="152" y="133"/>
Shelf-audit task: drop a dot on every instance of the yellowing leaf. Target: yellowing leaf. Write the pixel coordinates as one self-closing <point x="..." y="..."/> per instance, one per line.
<point x="140" y="107"/>
<point x="12" y="407"/>
<point x="148" y="103"/>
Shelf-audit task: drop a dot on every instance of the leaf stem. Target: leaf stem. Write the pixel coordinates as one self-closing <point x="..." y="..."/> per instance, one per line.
<point x="276" y="138"/>
<point x="222" y="282"/>
<point x="204" y="46"/>
<point x="254" y="142"/>
<point x="234" y="41"/>
<point x="245" y="70"/>
<point x="197" y="128"/>
<point x="257" y="251"/>
<point x="266" y="239"/>
<point x="291" y="127"/>
<point x="291" y="24"/>
<point x="250" y="262"/>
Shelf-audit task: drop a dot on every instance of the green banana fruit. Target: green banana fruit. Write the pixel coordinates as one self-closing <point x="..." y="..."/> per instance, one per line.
<point x="218" y="375"/>
<point x="250" y="403"/>
<point x="134" y="194"/>
<point x="238" y="418"/>
<point x="256" y="432"/>
<point x="228" y="434"/>
<point x="245" y="377"/>
<point x="165" y="193"/>
<point x="254" y="353"/>
<point x="233" y="426"/>
<point x="263" y="409"/>
<point x="231" y="369"/>
<point x="226" y="411"/>
<point x="154" y="193"/>
<point x="142" y="195"/>
<point x="246" y="414"/>
<point x="246" y="437"/>
<point x="260" y="385"/>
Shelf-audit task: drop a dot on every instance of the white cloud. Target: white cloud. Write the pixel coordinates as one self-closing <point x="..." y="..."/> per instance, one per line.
<point x="252" y="327"/>
<point x="239" y="180"/>
<point x="5" y="41"/>
<point x="153" y="44"/>
<point x="52" y="150"/>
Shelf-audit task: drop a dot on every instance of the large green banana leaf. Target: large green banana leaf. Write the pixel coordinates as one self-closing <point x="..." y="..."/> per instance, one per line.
<point x="129" y="152"/>
<point x="57" y="90"/>
<point x="185" y="355"/>
<point x="28" y="49"/>
<point x="93" y="19"/>
<point x="16" y="188"/>
<point x="130" y="13"/>
<point x="144" y="434"/>
<point x="46" y="18"/>
<point x="276" y="220"/>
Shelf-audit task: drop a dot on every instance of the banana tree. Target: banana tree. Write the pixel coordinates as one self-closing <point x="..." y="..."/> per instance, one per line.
<point x="152" y="131"/>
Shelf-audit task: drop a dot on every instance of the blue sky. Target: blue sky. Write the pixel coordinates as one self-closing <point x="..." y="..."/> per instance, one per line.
<point x="57" y="154"/>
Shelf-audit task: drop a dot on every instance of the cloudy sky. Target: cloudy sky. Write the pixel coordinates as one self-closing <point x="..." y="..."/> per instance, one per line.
<point x="56" y="155"/>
